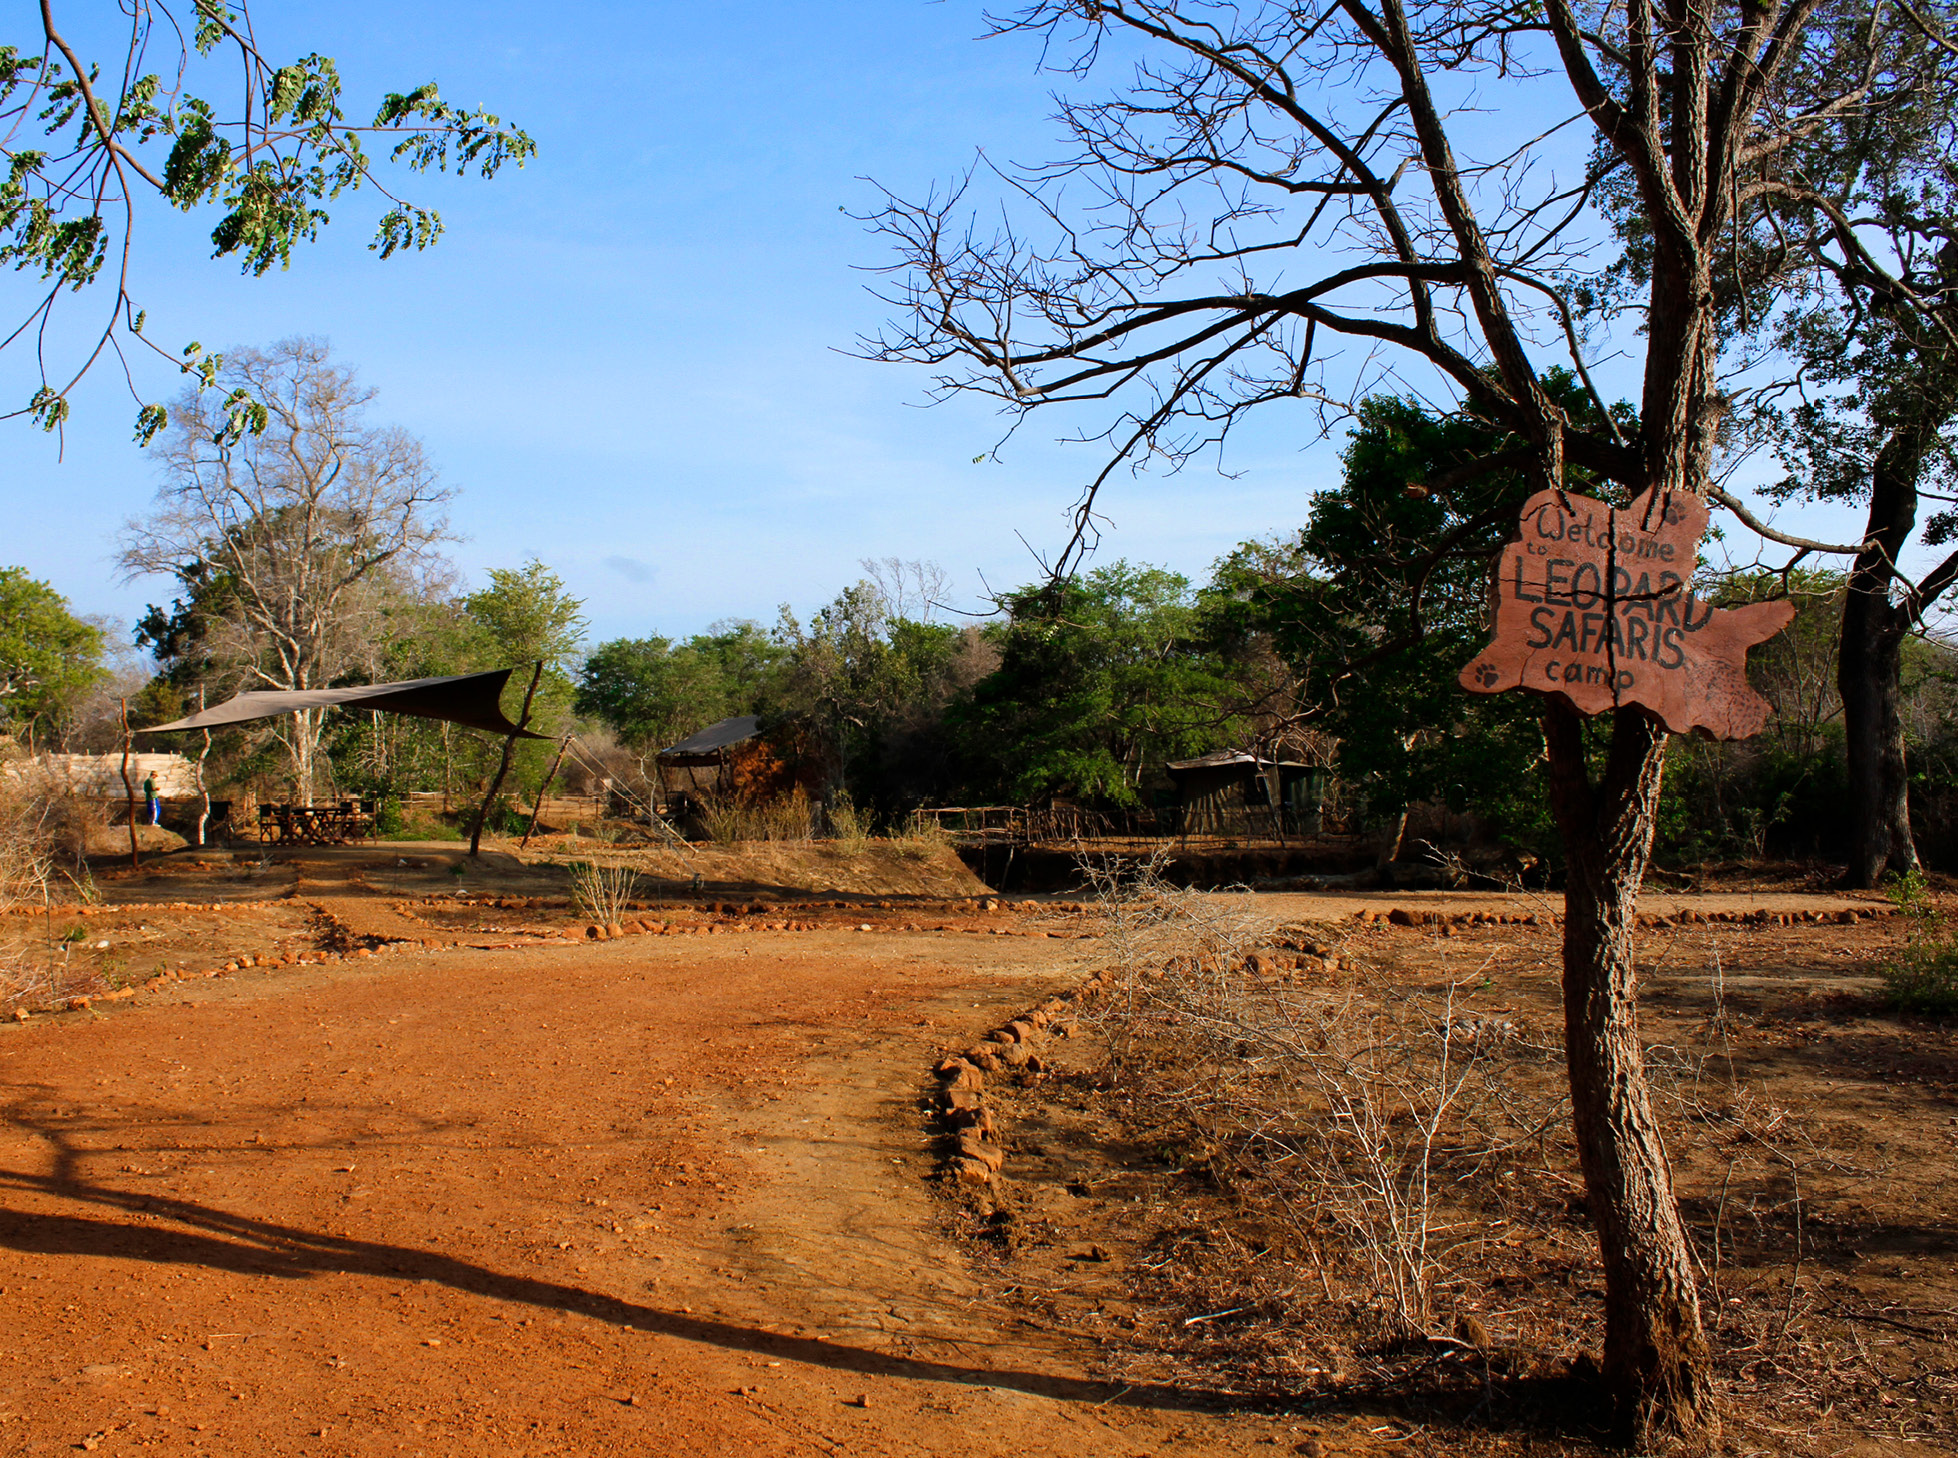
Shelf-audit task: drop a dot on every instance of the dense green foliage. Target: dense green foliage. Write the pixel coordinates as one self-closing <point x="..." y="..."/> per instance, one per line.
<point x="653" y="692"/>
<point x="1344" y="639"/>
<point x="1100" y="680"/>
<point x="49" y="659"/>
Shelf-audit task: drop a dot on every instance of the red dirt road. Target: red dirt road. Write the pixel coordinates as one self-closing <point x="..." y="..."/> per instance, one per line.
<point x="653" y="1196"/>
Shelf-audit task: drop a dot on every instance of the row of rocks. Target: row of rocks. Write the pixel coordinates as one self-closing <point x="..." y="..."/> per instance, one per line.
<point x="766" y="907"/>
<point x="79" y="1003"/>
<point x="1446" y="921"/>
<point x="971" y="1146"/>
<point x="133" y="909"/>
<point x="595" y="932"/>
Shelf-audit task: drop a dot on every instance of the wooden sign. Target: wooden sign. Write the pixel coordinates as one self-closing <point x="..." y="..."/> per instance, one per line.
<point x="1596" y="604"/>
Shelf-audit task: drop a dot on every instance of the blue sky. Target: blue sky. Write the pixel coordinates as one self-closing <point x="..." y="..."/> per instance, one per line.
<point x="625" y="356"/>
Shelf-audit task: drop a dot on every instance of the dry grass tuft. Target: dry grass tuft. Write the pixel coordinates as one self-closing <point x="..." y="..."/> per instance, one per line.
<point x="602" y="893"/>
<point x="849" y="827"/>
<point x="787" y="818"/>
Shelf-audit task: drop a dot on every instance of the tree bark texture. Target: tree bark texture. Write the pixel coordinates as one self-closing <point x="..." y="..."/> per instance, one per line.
<point x="1869" y="667"/>
<point x="129" y="787"/>
<point x="1869" y="674"/>
<point x="1656" y="1358"/>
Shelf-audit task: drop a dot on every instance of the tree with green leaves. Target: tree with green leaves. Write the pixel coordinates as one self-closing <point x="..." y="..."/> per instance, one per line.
<point x="1382" y="598"/>
<point x="853" y="675"/>
<point x="1879" y="430"/>
<point x="652" y="692"/>
<point x="49" y="659"/>
<point x="188" y="112"/>
<point x="1270" y="182"/>
<point x="1101" y="678"/>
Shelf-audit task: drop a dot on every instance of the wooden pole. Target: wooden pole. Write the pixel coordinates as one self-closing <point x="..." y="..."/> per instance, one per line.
<point x="203" y="789"/>
<point x="538" y="808"/>
<point x="129" y="789"/>
<point x="503" y="766"/>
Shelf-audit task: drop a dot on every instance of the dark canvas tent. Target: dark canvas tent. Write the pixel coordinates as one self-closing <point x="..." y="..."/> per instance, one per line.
<point x="700" y="764"/>
<point x="1234" y="793"/>
<point x="470" y="699"/>
<point x="708" y="746"/>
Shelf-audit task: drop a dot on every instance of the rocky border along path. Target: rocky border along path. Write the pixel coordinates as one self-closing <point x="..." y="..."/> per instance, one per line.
<point x="972" y="1152"/>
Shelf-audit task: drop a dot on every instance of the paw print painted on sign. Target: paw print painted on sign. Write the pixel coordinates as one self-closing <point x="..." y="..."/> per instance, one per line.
<point x="1486" y="674"/>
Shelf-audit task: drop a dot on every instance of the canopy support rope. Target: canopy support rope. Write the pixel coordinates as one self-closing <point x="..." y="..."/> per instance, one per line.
<point x="654" y="820"/>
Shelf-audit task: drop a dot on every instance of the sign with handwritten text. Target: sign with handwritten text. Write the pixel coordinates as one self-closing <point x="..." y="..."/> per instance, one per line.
<point x="1596" y="603"/>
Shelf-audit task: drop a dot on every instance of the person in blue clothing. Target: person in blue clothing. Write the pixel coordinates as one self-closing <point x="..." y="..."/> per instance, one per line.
<point x="156" y="804"/>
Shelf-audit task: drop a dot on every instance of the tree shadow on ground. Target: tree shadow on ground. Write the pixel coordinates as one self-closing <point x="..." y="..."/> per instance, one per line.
<point x="215" y="1239"/>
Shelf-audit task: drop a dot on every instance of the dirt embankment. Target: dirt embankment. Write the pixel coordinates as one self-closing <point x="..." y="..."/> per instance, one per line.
<point x="879" y="869"/>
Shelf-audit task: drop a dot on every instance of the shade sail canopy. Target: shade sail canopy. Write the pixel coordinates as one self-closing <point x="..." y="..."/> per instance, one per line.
<point x="471" y="699"/>
<point x="707" y="744"/>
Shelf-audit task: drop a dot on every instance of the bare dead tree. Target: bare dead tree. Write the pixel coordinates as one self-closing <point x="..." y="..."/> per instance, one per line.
<point x="308" y="525"/>
<point x="1287" y="203"/>
<point x="912" y="589"/>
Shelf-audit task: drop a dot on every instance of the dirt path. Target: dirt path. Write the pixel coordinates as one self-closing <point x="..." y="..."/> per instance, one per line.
<point x="648" y="1197"/>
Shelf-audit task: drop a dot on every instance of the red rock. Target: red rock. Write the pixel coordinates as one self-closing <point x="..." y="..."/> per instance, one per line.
<point x="973" y="1146"/>
<point x="979" y="1118"/>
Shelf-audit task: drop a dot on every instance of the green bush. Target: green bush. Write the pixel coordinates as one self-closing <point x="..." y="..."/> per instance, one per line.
<point x="419" y="829"/>
<point x="1923" y="978"/>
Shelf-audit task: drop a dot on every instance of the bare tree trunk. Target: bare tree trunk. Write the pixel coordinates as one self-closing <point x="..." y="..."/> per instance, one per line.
<point x="203" y="789"/>
<point x="1656" y="1359"/>
<point x="1869" y="673"/>
<point x="129" y="787"/>
<point x="1390" y="844"/>
<point x="1869" y="662"/>
<point x="300" y="752"/>
<point x="543" y="789"/>
<point x="503" y="765"/>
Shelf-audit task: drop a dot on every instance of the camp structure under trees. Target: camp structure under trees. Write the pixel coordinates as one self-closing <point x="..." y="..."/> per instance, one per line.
<point x="473" y="700"/>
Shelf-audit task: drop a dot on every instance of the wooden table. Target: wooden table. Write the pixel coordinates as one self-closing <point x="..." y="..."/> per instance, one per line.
<point x="335" y="823"/>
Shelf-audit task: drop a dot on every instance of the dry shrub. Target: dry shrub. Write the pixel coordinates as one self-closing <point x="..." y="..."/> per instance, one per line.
<point x="731" y="818"/>
<point x="849" y="827"/>
<point x="1355" y="1116"/>
<point x="30" y="845"/>
<point x="789" y="818"/>
<point x="602" y="893"/>
<point x="921" y="838"/>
